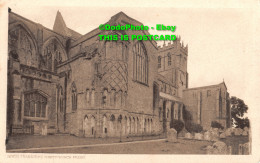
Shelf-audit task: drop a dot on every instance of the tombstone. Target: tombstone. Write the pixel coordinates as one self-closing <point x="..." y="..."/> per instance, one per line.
<point x="198" y="136"/>
<point x="229" y="150"/>
<point x="215" y="130"/>
<point x="219" y="147"/>
<point x="238" y="131"/>
<point x="246" y="129"/>
<point x="188" y="135"/>
<point x="214" y="135"/>
<point x="244" y="133"/>
<point x="172" y="135"/>
<point x="209" y="149"/>
<point x="207" y="136"/>
<point x="222" y="136"/>
<point x="182" y="133"/>
<point x="243" y="149"/>
<point x="228" y="132"/>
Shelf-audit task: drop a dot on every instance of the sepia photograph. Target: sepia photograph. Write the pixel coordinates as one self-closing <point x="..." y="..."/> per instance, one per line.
<point x="130" y="80"/>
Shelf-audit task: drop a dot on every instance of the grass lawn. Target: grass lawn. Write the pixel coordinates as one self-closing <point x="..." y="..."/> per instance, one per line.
<point x="183" y="146"/>
<point x="159" y="147"/>
<point x="35" y="141"/>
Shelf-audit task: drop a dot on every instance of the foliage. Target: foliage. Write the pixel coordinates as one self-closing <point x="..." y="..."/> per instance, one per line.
<point x="178" y="125"/>
<point x="238" y="110"/>
<point x="186" y="115"/>
<point x="215" y="124"/>
<point x="193" y="127"/>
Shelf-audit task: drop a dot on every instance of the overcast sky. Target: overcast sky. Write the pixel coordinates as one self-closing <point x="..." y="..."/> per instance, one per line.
<point x="220" y="37"/>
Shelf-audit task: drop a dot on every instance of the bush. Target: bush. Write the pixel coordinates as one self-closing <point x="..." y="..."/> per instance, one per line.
<point x="177" y="125"/>
<point x="193" y="127"/>
<point x="215" y="124"/>
<point x="187" y="116"/>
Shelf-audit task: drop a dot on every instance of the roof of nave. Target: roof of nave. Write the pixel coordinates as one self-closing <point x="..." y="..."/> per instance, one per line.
<point x="207" y="87"/>
<point x="119" y="18"/>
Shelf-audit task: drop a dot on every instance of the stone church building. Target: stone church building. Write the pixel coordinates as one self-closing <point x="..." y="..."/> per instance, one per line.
<point x="60" y="81"/>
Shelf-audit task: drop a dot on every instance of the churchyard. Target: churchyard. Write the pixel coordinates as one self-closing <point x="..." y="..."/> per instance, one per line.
<point x="213" y="141"/>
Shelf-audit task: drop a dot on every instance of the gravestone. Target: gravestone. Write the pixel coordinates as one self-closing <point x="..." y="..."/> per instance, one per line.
<point x="207" y="136"/>
<point x="246" y="129"/>
<point x="218" y="148"/>
<point x="198" y="136"/>
<point x="172" y="135"/>
<point x="238" y="131"/>
<point x="245" y="133"/>
<point x="214" y="135"/>
<point x="188" y="135"/>
<point x="222" y="136"/>
<point x="228" y="132"/>
<point x="182" y="133"/>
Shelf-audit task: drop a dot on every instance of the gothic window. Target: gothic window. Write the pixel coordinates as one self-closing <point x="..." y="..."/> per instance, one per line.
<point x="179" y="60"/>
<point x="208" y="93"/>
<point x="52" y="55"/>
<point x="34" y="105"/>
<point x="22" y="47"/>
<point x="57" y="59"/>
<point x="159" y="62"/>
<point x="104" y="98"/>
<point x="140" y="63"/>
<point x="74" y="97"/>
<point x="169" y="59"/>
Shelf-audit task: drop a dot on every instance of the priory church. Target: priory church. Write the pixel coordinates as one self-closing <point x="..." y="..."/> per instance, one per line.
<point x="63" y="82"/>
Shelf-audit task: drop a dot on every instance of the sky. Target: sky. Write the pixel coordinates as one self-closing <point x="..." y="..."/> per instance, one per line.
<point x="220" y="37"/>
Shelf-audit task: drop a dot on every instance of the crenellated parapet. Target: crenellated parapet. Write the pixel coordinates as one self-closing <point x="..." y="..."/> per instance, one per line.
<point x="178" y="44"/>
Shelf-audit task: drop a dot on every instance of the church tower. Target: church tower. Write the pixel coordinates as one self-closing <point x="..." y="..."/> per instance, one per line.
<point x="172" y="64"/>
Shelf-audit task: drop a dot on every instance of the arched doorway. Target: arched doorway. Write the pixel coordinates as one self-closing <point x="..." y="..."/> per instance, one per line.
<point x="92" y="126"/>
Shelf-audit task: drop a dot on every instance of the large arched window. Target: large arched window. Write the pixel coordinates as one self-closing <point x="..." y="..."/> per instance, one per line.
<point x="35" y="104"/>
<point x="21" y="46"/>
<point x="53" y="54"/>
<point x="140" y="63"/>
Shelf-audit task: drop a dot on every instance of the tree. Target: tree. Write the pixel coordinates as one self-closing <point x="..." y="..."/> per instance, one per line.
<point x="215" y="124"/>
<point x="177" y="125"/>
<point x="193" y="127"/>
<point x="238" y="110"/>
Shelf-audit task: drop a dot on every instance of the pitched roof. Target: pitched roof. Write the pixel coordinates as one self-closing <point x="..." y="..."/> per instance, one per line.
<point x="121" y="18"/>
<point x="208" y="86"/>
